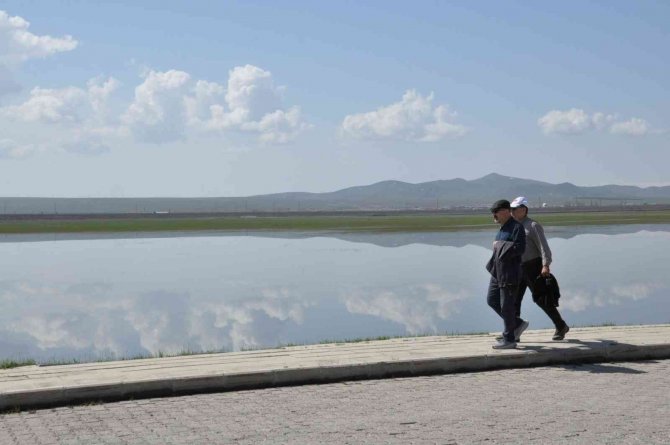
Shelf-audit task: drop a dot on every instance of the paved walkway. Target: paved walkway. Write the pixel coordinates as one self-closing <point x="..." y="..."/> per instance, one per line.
<point x="612" y="403"/>
<point x="34" y="386"/>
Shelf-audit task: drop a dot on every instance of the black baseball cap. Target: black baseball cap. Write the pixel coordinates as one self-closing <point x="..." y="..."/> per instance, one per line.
<point x="500" y="204"/>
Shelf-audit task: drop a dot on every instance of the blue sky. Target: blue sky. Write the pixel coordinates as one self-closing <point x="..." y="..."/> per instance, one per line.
<point x="235" y="98"/>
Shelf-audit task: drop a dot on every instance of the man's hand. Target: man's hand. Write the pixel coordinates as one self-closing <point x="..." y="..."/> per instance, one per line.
<point x="545" y="271"/>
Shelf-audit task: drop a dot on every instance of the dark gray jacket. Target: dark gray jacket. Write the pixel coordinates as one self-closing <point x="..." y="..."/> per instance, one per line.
<point x="508" y="247"/>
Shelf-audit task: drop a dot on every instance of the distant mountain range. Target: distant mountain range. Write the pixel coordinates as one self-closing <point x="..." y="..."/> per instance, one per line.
<point x="385" y="195"/>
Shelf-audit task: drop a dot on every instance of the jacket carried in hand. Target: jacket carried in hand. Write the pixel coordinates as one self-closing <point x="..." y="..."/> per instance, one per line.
<point x="508" y="247"/>
<point x="546" y="291"/>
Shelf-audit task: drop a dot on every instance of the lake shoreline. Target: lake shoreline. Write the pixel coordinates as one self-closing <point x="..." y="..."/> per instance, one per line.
<point x="21" y="362"/>
<point x="383" y="222"/>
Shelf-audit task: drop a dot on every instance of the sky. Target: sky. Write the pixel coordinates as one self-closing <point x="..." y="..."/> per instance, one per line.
<point x="234" y="98"/>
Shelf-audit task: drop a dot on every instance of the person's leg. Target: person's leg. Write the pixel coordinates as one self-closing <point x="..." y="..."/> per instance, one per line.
<point x="530" y="270"/>
<point x="493" y="296"/>
<point x="553" y="313"/>
<point x="519" y="297"/>
<point x="508" y="311"/>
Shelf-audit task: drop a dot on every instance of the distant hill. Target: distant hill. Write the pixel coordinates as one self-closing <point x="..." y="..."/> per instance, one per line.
<point x="385" y="195"/>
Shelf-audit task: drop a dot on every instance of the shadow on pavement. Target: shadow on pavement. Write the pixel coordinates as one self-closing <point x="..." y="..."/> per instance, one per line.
<point x="595" y="368"/>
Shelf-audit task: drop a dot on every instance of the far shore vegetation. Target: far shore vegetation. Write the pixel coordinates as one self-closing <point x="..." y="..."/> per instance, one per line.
<point x="383" y="222"/>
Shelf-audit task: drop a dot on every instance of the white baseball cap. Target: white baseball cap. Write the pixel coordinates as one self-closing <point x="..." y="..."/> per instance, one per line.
<point x="519" y="201"/>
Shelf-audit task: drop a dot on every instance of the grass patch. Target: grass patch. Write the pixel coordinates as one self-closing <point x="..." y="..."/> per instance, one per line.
<point x="606" y="324"/>
<point x="103" y="359"/>
<point x="344" y="223"/>
<point x="9" y="364"/>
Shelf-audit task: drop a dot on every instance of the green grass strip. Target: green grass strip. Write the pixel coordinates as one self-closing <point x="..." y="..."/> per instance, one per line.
<point x="346" y="223"/>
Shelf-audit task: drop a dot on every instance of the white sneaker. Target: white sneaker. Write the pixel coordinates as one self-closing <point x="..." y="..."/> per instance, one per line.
<point x="519" y="330"/>
<point x="504" y="344"/>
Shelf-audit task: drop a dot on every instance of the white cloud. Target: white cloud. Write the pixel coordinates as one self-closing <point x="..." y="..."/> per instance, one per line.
<point x="280" y="126"/>
<point x="565" y="122"/>
<point x="10" y="149"/>
<point x="17" y="44"/>
<point x="251" y="93"/>
<point x="82" y="114"/>
<point x="602" y="120"/>
<point x="577" y="121"/>
<point x="414" y="118"/>
<point x="69" y="104"/>
<point x="254" y="104"/>
<point x="633" y="127"/>
<point x="204" y="95"/>
<point x="49" y="105"/>
<point x="99" y="91"/>
<point x="167" y="106"/>
<point x="157" y="114"/>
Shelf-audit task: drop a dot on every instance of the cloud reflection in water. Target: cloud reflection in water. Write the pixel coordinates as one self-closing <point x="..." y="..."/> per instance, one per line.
<point x="124" y="297"/>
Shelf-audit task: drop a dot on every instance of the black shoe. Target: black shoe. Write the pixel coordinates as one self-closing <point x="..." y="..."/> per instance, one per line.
<point x="560" y="333"/>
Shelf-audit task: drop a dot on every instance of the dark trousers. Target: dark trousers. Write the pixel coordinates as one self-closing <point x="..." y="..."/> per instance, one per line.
<point x="503" y="300"/>
<point x="531" y="270"/>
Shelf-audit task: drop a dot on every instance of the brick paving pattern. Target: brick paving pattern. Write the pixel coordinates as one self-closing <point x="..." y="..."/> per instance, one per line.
<point x="617" y="403"/>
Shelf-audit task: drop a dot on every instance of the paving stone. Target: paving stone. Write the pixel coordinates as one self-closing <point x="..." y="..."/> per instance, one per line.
<point x="609" y="403"/>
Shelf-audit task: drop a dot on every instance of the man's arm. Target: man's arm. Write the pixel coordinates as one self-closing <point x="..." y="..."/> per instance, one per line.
<point x="542" y="244"/>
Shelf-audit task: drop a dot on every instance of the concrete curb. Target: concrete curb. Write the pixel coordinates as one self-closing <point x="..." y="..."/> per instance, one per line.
<point x="35" y="387"/>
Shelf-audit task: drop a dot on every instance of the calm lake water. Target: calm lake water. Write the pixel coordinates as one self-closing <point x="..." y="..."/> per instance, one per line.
<point x="69" y="297"/>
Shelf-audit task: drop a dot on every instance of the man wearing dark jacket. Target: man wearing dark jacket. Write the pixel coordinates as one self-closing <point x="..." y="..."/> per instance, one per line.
<point x="505" y="269"/>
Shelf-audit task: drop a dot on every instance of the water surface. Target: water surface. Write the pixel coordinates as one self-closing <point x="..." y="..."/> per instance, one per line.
<point x="70" y="296"/>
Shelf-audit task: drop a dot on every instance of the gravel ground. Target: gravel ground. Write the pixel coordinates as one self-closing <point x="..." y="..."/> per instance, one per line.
<point x="617" y="403"/>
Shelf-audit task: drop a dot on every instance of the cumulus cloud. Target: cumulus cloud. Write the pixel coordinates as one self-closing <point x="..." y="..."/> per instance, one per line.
<point x="577" y="121"/>
<point x="17" y="45"/>
<point x="157" y="113"/>
<point x="633" y="127"/>
<point x="83" y="113"/>
<point x="168" y="105"/>
<point x="49" y="105"/>
<point x="99" y="91"/>
<point x="566" y="122"/>
<point x="253" y="103"/>
<point x="69" y="104"/>
<point x="414" y="118"/>
<point x="251" y="93"/>
<point x="203" y="96"/>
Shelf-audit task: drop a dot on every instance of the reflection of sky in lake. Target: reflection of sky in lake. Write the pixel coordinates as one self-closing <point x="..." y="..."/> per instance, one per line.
<point x="70" y="298"/>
